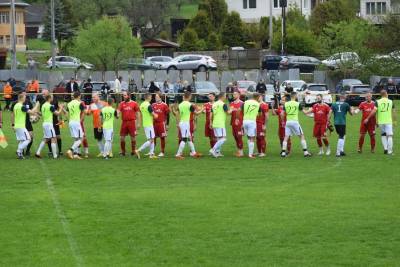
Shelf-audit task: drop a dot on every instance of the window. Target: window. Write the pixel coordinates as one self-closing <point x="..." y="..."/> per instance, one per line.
<point x="306" y="4"/>
<point x="381" y="8"/>
<point x="4" y="17"/>
<point x="20" y="40"/>
<point x="245" y="4"/>
<point x="7" y="40"/>
<point x="252" y="3"/>
<point x="276" y="4"/>
<point x="19" y="18"/>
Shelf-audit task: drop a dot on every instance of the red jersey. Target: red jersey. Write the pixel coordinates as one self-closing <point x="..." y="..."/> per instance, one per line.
<point x="162" y="110"/>
<point x="263" y="114"/>
<point x="237" y="116"/>
<point x="366" y="109"/>
<point x="321" y="112"/>
<point x="128" y="110"/>
<point x="207" y="110"/>
<point x="282" y="122"/>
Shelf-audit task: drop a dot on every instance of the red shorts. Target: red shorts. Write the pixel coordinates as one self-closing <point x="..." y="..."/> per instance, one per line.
<point x="208" y="132"/>
<point x="237" y="131"/>
<point x="128" y="128"/>
<point x="368" y="128"/>
<point x="260" y="131"/>
<point x="160" y="129"/>
<point x="320" y="130"/>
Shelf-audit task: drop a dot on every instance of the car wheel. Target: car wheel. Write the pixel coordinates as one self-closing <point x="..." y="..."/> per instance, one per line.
<point x="202" y="69"/>
<point x="171" y="68"/>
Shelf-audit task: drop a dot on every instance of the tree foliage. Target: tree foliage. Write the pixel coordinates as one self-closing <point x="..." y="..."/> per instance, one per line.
<point x="298" y="42"/>
<point x="216" y="10"/>
<point x="201" y="24"/>
<point x="188" y="40"/>
<point x="106" y="43"/>
<point x="233" y="31"/>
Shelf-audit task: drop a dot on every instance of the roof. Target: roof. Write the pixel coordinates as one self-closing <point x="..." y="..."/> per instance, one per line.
<point x="17" y="3"/>
<point x="159" y="43"/>
<point x="35" y="13"/>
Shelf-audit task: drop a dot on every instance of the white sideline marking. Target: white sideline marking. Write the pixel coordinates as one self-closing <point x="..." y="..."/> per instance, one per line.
<point x="61" y="215"/>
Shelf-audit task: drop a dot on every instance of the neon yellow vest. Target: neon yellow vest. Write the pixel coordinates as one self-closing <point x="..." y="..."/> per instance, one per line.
<point x="146" y="115"/>
<point x="46" y="113"/>
<point x="385" y="107"/>
<point x="184" y="111"/>
<point x="250" y="110"/>
<point x="219" y="114"/>
<point x="74" y="110"/>
<point x="292" y="110"/>
<point x="19" y="116"/>
<point x="107" y="114"/>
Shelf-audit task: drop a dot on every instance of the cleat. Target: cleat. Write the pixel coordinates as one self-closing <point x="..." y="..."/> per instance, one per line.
<point x="283" y="155"/>
<point x="122" y="154"/>
<point x="179" y="157"/>
<point x="111" y="155"/>
<point x="320" y="153"/>
<point x="39" y="157"/>
<point x="239" y="154"/>
<point x="342" y="154"/>
<point x="195" y="155"/>
<point x="86" y="156"/>
<point x="70" y="155"/>
<point x="77" y="157"/>
<point x="219" y="155"/>
<point x="385" y="152"/>
<point x="328" y="153"/>
<point x="372" y="151"/>
<point x="261" y="155"/>
<point x="359" y="151"/>
<point x="106" y="158"/>
<point x="161" y="155"/>
<point x="307" y="154"/>
<point x="100" y="155"/>
<point x="252" y="157"/>
<point x="137" y="153"/>
<point x="20" y="156"/>
<point x="153" y="157"/>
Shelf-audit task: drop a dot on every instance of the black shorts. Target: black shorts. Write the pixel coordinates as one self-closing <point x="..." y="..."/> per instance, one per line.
<point x="28" y="126"/>
<point x="98" y="134"/>
<point x="57" y="129"/>
<point x="341" y="130"/>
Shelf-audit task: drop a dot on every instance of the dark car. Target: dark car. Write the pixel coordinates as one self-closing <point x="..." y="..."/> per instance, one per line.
<point x="357" y="93"/>
<point x="202" y="89"/>
<point x="138" y="64"/>
<point x="344" y="85"/>
<point x="271" y="62"/>
<point x="303" y="63"/>
<point x="392" y="89"/>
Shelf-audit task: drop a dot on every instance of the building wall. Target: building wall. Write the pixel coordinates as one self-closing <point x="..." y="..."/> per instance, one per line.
<point x="377" y="18"/>
<point x="5" y="29"/>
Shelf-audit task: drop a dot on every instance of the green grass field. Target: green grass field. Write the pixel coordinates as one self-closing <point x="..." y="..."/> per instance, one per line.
<point x="320" y="211"/>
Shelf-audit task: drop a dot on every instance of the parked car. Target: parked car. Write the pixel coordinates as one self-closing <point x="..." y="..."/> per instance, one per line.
<point x="160" y="62"/>
<point x="394" y="88"/>
<point x="138" y="64"/>
<point x="395" y="55"/>
<point x="67" y="62"/>
<point x="246" y="86"/>
<point x="296" y="84"/>
<point x="203" y="89"/>
<point x="309" y="92"/>
<point x="343" y="58"/>
<point x="344" y="85"/>
<point x="303" y="63"/>
<point x="356" y="93"/>
<point x="192" y="62"/>
<point x="271" y="62"/>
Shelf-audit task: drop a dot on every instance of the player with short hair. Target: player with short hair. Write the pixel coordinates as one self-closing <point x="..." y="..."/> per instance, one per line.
<point x="340" y="110"/>
<point x="251" y="108"/>
<point x="279" y="111"/>
<point x="95" y="110"/>
<point x="18" y="120"/>
<point x="322" y="113"/>
<point x="237" y="122"/>
<point x="386" y="117"/>
<point x="49" y="134"/>
<point x="368" y="122"/>
<point x="160" y="123"/>
<point x="107" y="117"/>
<point x="183" y="120"/>
<point x="147" y="116"/>
<point x="218" y="120"/>
<point x="74" y="109"/>
<point x="291" y="110"/>
<point x="207" y="109"/>
<point x="262" y="120"/>
<point x="130" y="115"/>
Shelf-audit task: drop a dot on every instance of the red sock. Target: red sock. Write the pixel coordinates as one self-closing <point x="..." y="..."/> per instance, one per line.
<point x="319" y="141"/>
<point x="264" y="146"/>
<point x="326" y="141"/>
<point x="239" y="142"/>
<point x="373" y="142"/>
<point x="133" y="145"/>
<point x="122" y="145"/>
<point x="289" y="146"/>
<point x="258" y="142"/>
<point x="361" y="141"/>
<point x="261" y="144"/>
<point x="85" y="143"/>
<point x="162" y="144"/>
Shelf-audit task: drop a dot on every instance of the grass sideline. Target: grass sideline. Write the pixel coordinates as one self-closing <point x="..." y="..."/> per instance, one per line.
<point x="320" y="211"/>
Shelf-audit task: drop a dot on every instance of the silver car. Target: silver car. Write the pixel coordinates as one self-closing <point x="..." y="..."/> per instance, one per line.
<point x="161" y="62"/>
<point x="192" y="62"/>
<point x="67" y="62"/>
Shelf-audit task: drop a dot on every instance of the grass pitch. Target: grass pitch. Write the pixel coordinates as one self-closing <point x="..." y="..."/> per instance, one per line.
<point x="320" y="211"/>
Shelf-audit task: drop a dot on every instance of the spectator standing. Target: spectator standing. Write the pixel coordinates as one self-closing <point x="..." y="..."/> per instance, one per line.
<point x="132" y="89"/>
<point x="71" y="87"/>
<point x="88" y="90"/>
<point x="105" y="90"/>
<point x="8" y="95"/>
<point x="33" y="89"/>
<point x="391" y="89"/>
<point x="153" y="90"/>
<point x="261" y="88"/>
<point x="117" y="88"/>
<point x="230" y="89"/>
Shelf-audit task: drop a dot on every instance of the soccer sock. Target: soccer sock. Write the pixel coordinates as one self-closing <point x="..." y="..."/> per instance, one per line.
<point x="101" y="146"/>
<point x="59" y="144"/>
<point x="54" y="150"/>
<point x="326" y="142"/>
<point x="162" y="144"/>
<point x="49" y="146"/>
<point x="373" y="142"/>
<point x="144" y="146"/>
<point x="181" y="148"/>
<point x="133" y="145"/>
<point x="361" y="141"/>
<point x="284" y="146"/>
<point x="258" y="143"/>
<point x="304" y="145"/>
<point x="192" y="149"/>
<point x="251" y="148"/>
<point x="85" y="143"/>
<point x="23" y="145"/>
<point x="344" y="141"/>
<point x="152" y="144"/>
<point x="239" y="142"/>
<point x="340" y="146"/>
<point x="28" y="147"/>
<point x="41" y="145"/>
<point x="390" y="144"/>
<point x="122" y="145"/>
<point x="319" y="141"/>
<point x="219" y="144"/>
<point x="76" y="145"/>
<point x="385" y="142"/>
<point x="107" y="148"/>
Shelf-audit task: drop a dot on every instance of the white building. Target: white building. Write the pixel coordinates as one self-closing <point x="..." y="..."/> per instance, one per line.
<point x="376" y="10"/>
<point x="252" y="10"/>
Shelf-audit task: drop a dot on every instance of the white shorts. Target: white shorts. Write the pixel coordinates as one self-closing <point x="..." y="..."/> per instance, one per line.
<point x="149" y="131"/>
<point x="386" y="129"/>
<point x="48" y="130"/>
<point x="108" y="134"/>
<point x="220" y="132"/>
<point x="293" y="128"/>
<point x="184" y="128"/>
<point x="22" y="134"/>
<point x="250" y="128"/>
<point x="75" y="129"/>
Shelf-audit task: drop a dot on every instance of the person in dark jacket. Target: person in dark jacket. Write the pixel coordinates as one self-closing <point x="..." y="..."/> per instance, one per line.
<point x="71" y="87"/>
<point x="261" y="88"/>
<point x="153" y="90"/>
<point x="105" y="90"/>
<point x="88" y="90"/>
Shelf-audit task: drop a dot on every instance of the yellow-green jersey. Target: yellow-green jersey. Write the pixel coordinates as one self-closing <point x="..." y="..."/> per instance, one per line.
<point x="75" y="108"/>
<point x="19" y="115"/>
<point x="107" y="114"/>
<point x="185" y="109"/>
<point x="384" y="111"/>
<point x="47" y="112"/>
<point x="251" y="108"/>
<point x="147" y="114"/>
<point x="292" y="110"/>
<point x="219" y="110"/>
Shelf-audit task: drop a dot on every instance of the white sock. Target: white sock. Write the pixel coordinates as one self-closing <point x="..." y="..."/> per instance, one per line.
<point x="218" y="145"/>
<point x="304" y="144"/>
<point x="181" y="148"/>
<point x="151" y="148"/>
<point x="321" y="149"/>
<point x="101" y="146"/>
<point x="340" y="146"/>
<point x="86" y="150"/>
<point x="54" y="149"/>
<point x="344" y="141"/>
<point x="144" y="146"/>
<point x="22" y="145"/>
<point x="41" y="146"/>
<point x="390" y="144"/>
<point x="76" y="145"/>
<point x="284" y="145"/>
<point x="192" y="149"/>
<point x="385" y="142"/>
<point x="251" y="147"/>
<point x="107" y="148"/>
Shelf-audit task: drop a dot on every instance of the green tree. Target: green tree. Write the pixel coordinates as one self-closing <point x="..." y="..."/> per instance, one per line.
<point x="214" y="42"/>
<point x="106" y="43"/>
<point x="201" y="24"/>
<point x="232" y="30"/>
<point x="390" y="38"/>
<point x="216" y="10"/>
<point x="188" y="40"/>
<point x="298" y="42"/>
<point x="332" y="11"/>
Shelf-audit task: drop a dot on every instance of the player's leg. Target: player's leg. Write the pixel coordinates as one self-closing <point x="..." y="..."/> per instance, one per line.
<point x="77" y="135"/>
<point x="122" y="135"/>
<point x="23" y="139"/>
<point x="340" y="145"/>
<point x="389" y="133"/>
<point x="299" y="132"/>
<point x="324" y="135"/>
<point x="29" y="146"/>
<point x="251" y="133"/>
<point x="220" y="133"/>
<point x="318" y="137"/>
<point x="288" y="133"/>
<point x="53" y="142"/>
<point x="362" y="137"/>
<point x="371" y="132"/>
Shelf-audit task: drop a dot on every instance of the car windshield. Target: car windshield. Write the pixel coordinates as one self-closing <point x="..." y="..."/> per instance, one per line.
<point x="97" y="86"/>
<point x="351" y="82"/>
<point x="245" y="84"/>
<point x="296" y="84"/>
<point x="317" y="88"/>
<point x="361" y="89"/>
<point x="205" y="85"/>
